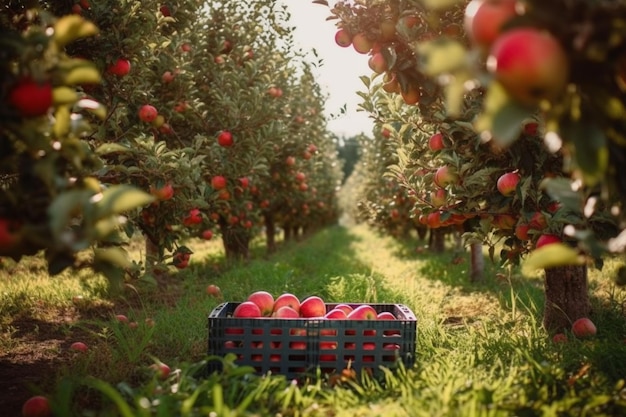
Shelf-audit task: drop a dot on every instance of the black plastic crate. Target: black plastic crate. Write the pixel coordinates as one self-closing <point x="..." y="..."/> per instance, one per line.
<point x="294" y="346"/>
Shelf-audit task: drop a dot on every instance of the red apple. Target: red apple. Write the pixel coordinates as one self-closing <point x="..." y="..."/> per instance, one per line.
<point x="336" y="314"/>
<point x="31" y="98"/>
<point x="193" y="217"/>
<point x="290" y="161"/>
<point x="148" y="113"/>
<point x="207" y="234"/>
<point x="377" y="63"/>
<point x="583" y="328"/>
<point x="161" y="370"/>
<point x="264" y="300"/>
<point x="435" y="142"/>
<point x="244" y="181"/>
<point x="363" y="312"/>
<point x="530" y="64"/>
<point x="121" y="318"/>
<point x="121" y="67"/>
<point x="504" y="221"/>
<point x="286" y="312"/>
<point x="484" y="19"/>
<point x="247" y="309"/>
<point x="213" y="290"/>
<point x="547" y="239"/>
<point x="521" y="231"/>
<point x="361" y="43"/>
<point x="225" y="139"/>
<point x="411" y="95"/>
<point x="343" y="38"/>
<point x="559" y="338"/>
<point x="167" y="77"/>
<point x="385" y="315"/>
<point x="312" y="306"/>
<point x="185" y="47"/>
<point x="37" y="406"/>
<point x="80" y="346"/>
<point x="507" y="183"/>
<point x="345" y="307"/>
<point x="438" y="197"/>
<point x="218" y="182"/>
<point x="300" y="176"/>
<point x="538" y="221"/>
<point x="445" y="176"/>
<point x="287" y="299"/>
<point x="166" y="192"/>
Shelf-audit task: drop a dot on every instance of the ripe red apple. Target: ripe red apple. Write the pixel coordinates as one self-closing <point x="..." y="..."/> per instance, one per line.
<point x="247" y="309"/>
<point x="484" y="19"/>
<point x="386" y="315"/>
<point x="37" y="406"/>
<point x="244" y="182"/>
<point x="312" y="306"/>
<point x="521" y="231"/>
<point x="31" y="98"/>
<point x="264" y="300"/>
<point x="287" y="299"/>
<point x="166" y="192"/>
<point x="121" y="67"/>
<point x="290" y="161"/>
<point x="121" y="318"/>
<point x="148" y="113"/>
<point x="386" y="133"/>
<point x="180" y="261"/>
<point x="225" y="139"/>
<point x="213" y="290"/>
<point x="161" y="370"/>
<point x="285" y="312"/>
<point x="559" y="338"/>
<point x="185" y="47"/>
<point x="445" y="176"/>
<point x="377" y="63"/>
<point x="167" y="77"/>
<point x="435" y="142"/>
<point x="224" y="195"/>
<point x="547" y="239"/>
<point x="165" y="10"/>
<point x="538" y="221"/>
<point x="507" y="183"/>
<point x="583" y="328"/>
<point x="438" y="197"/>
<point x="361" y="43"/>
<point x="207" y="234"/>
<point x="218" y="182"/>
<point x="433" y="219"/>
<point x="343" y="38"/>
<point x="80" y="346"/>
<point x="530" y="64"/>
<point x="411" y="95"/>
<point x="345" y="307"/>
<point x="336" y="314"/>
<point x="303" y="186"/>
<point x="530" y="128"/>
<point x="363" y="312"/>
<point x="300" y="176"/>
<point x="193" y="217"/>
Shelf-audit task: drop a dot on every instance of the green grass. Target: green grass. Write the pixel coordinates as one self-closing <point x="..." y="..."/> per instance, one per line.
<point x="481" y="350"/>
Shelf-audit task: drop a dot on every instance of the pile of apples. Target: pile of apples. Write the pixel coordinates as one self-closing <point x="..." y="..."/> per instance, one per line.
<point x="286" y="306"/>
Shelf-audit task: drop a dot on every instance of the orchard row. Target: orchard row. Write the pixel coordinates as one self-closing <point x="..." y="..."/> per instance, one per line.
<point x="169" y="121"/>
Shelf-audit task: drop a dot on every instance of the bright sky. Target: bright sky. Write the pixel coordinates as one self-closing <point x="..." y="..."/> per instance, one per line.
<point x="339" y="74"/>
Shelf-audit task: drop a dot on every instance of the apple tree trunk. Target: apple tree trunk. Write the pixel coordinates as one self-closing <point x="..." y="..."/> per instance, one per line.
<point x="567" y="297"/>
<point x="236" y="241"/>
<point x="270" y="232"/>
<point x="437" y="242"/>
<point x="477" y="262"/>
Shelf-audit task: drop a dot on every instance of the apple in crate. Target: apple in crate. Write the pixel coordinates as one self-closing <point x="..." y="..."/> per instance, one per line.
<point x="336" y="314"/>
<point x="345" y="307"/>
<point x="247" y="309"/>
<point x="286" y="312"/>
<point x="363" y="312"/>
<point x="287" y="299"/>
<point x="312" y="306"/>
<point x="264" y="300"/>
<point x="386" y="315"/>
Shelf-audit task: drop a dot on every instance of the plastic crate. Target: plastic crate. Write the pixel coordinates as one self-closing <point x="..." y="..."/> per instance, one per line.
<point x="295" y="346"/>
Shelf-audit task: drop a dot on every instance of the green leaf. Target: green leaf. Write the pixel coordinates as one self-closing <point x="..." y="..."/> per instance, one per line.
<point x="560" y="189"/>
<point x="550" y="256"/>
<point x="65" y="207"/>
<point x="121" y="198"/>
<point x="441" y="56"/>
<point x="591" y="155"/>
<point x="114" y="256"/>
<point x="108" y="148"/>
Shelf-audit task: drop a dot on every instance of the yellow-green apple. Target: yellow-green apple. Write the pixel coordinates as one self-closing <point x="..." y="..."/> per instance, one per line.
<point x="287" y="299"/>
<point x="484" y="20"/>
<point x="147" y="113"/>
<point x="504" y="221"/>
<point x="361" y="43"/>
<point x="583" y="328"/>
<point x="31" y="98"/>
<point x="120" y="67"/>
<point x="247" y="309"/>
<point x="507" y="183"/>
<point x="218" y="182"/>
<point x="312" y="306"/>
<point x="264" y="300"/>
<point x="225" y="139"/>
<point x="438" y="197"/>
<point x="343" y="38"/>
<point x="445" y="176"/>
<point x="547" y="239"/>
<point x="37" y="406"/>
<point x="435" y="142"/>
<point x="530" y="64"/>
<point x="363" y="312"/>
<point x="80" y="346"/>
<point x="285" y="312"/>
